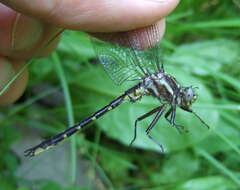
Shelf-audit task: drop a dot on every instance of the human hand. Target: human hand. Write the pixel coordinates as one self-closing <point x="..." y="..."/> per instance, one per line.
<point x="20" y="36"/>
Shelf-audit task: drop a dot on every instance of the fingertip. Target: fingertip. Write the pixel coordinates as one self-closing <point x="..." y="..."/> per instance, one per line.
<point x="8" y="69"/>
<point x="141" y="13"/>
<point x="26" y="33"/>
<point x="142" y="38"/>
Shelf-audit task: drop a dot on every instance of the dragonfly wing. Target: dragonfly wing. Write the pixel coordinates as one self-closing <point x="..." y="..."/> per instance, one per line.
<point x="126" y="57"/>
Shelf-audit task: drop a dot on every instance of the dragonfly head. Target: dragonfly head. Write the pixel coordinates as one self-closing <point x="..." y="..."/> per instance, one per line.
<point x="188" y="97"/>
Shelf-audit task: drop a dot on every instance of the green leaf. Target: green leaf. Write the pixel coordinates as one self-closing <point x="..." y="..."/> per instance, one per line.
<point x="177" y="168"/>
<point x="206" y="57"/>
<point x="207" y="183"/>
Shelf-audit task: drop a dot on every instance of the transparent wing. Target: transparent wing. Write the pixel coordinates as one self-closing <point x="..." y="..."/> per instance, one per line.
<point x="126" y="57"/>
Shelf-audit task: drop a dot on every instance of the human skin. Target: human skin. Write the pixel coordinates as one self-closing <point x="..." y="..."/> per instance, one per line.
<point x="28" y="24"/>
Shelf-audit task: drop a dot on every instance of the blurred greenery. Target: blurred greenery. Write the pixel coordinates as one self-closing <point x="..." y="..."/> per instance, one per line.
<point x="201" y="48"/>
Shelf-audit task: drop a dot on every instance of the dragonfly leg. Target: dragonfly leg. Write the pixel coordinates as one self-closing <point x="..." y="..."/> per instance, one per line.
<point x="156" y="142"/>
<point x="162" y="66"/>
<point x="148" y="114"/>
<point x="172" y="111"/>
<point x="201" y="120"/>
<point x="153" y="123"/>
<point x="167" y="114"/>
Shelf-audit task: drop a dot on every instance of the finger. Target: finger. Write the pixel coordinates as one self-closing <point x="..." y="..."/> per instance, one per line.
<point x="35" y="48"/>
<point x="142" y="38"/>
<point x="7" y="70"/>
<point x="96" y="15"/>
<point x="22" y="36"/>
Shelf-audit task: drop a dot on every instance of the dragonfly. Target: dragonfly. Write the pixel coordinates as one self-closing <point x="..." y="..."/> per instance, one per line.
<point x="125" y="59"/>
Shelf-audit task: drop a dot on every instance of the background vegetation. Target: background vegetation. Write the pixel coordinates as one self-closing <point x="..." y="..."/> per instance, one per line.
<point x="201" y="48"/>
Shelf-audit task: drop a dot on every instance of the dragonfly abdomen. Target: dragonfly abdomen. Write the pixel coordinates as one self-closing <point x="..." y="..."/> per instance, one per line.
<point x="131" y="93"/>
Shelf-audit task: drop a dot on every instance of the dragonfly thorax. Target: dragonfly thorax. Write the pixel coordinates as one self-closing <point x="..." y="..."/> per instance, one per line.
<point x="165" y="88"/>
<point x="161" y="86"/>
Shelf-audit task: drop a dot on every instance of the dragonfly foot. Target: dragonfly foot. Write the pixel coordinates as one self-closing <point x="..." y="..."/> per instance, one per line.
<point x="180" y="128"/>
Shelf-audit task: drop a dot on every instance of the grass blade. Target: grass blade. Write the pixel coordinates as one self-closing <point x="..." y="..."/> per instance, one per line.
<point x="70" y="115"/>
<point x="219" y="166"/>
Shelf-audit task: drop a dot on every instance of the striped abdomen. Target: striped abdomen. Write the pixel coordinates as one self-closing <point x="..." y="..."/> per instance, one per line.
<point x="128" y="95"/>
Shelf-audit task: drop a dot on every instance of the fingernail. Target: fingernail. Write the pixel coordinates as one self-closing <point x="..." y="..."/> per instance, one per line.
<point x="26" y="33"/>
<point x="6" y="72"/>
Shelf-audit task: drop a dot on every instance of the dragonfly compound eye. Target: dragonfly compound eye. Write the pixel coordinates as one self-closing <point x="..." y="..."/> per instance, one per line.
<point x="189" y="96"/>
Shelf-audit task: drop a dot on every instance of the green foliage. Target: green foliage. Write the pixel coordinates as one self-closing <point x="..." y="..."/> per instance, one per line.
<point x="213" y="182"/>
<point x="201" y="49"/>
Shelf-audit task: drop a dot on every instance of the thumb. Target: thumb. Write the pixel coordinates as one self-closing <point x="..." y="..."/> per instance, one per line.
<point x="96" y="15"/>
